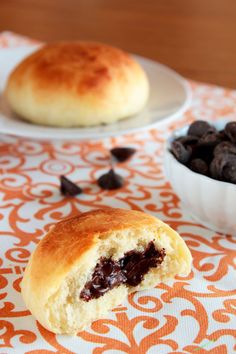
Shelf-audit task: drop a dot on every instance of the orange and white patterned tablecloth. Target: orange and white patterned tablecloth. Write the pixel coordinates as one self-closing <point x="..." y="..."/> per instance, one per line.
<point x="194" y="314"/>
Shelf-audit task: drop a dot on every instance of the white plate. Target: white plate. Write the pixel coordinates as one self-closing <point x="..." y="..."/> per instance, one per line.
<point x="170" y="96"/>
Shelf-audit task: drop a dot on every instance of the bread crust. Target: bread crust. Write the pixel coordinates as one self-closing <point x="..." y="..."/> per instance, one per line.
<point x="70" y="244"/>
<point x="77" y="83"/>
<point x="69" y="240"/>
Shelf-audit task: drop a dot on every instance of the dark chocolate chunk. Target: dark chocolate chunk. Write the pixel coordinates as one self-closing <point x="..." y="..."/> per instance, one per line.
<point x="203" y="152"/>
<point x="69" y="188"/>
<point x="223" y="167"/>
<point x="199" y="166"/>
<point x="110" y="180"/>
<point x="208" y="151"/>
<point x="229" y="169"/>
<point x="188" y="140"/>
<point x="223" y="136"/>
<point x="129" y="269"/>
<point x="210" y="139"/>
<point x="107" y="274"/>
<point x="181" y="152"/>
<point x="122" y="153"/>
<point x="230" y="131"/>
<point x="225" y="147"/>
<point x="199" y="128"/>
<point x="216" y="167"/>
<point x="136" y="264"/>
<point x="205" y="147"/>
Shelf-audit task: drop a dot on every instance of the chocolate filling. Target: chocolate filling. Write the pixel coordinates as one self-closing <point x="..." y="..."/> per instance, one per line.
<point x="129" y="270"/>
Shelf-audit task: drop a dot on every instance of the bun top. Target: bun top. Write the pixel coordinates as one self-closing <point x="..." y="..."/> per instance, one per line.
<point x="79" y="233"/>
<point x="77" y="83"/>
<point x="80" y="65"/>
<point x="67" y="243"/>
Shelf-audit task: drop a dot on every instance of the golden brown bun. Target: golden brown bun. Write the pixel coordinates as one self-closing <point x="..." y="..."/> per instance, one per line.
<point x="77" y="84"/>
<point x="65" y="259"/>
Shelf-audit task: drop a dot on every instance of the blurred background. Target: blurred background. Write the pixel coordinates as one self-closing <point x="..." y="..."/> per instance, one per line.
<point x="197" y="38"/>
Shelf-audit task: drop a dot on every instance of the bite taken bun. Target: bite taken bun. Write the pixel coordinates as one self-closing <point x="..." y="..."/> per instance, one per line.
<point x="88" y="264"/>
<point x="77" y="83"/>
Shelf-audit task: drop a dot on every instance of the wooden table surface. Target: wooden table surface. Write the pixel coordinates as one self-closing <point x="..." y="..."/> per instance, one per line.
<point x="195" y="37"/>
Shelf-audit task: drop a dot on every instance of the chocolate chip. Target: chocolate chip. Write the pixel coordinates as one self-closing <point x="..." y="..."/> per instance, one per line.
<point x="199" y="128"/>
<point x="216" y="167"/>
<point x="210" y="138"/>
<point x="187" y="140"/>
<point x="205" y="147"/>
<point x="225" y="147"/>
<point x="199" y="166"/>
<point x="230" y="131"/>
<point x="223" y="136"/>
<point x="223" y="167"/>
<point x="110" y="180"/>
<point x="181" y="152"/>
<point x="208" y="151"/>
<point x="229" y="169"/>
<point x="69" y="188"/>
<point x="203" y="152"/>
<point x="122" y="153"/>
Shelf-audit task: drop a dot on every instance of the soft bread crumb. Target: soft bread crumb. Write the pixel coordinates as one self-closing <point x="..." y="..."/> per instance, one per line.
<point x="70" y="314"/>
<point x="65" y="258"/>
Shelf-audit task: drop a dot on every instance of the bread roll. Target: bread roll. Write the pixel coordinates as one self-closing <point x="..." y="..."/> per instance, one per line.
<point x="76" y="83"/>
<point x="88" y="264"/>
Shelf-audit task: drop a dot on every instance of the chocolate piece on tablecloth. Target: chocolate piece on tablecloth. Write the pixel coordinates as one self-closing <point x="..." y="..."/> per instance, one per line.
<point x="69" y="188"/>
<point x="122" y="153"/>
<point x="110" y="180"/>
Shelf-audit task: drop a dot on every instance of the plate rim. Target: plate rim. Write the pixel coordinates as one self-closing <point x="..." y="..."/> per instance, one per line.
<point x="102" y="135"/>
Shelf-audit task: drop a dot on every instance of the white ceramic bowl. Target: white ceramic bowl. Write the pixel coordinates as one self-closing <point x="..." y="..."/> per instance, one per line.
<point x="212" y="203"/>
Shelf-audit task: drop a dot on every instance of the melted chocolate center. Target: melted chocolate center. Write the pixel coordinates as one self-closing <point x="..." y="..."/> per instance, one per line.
<point x="129" y="269"/>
